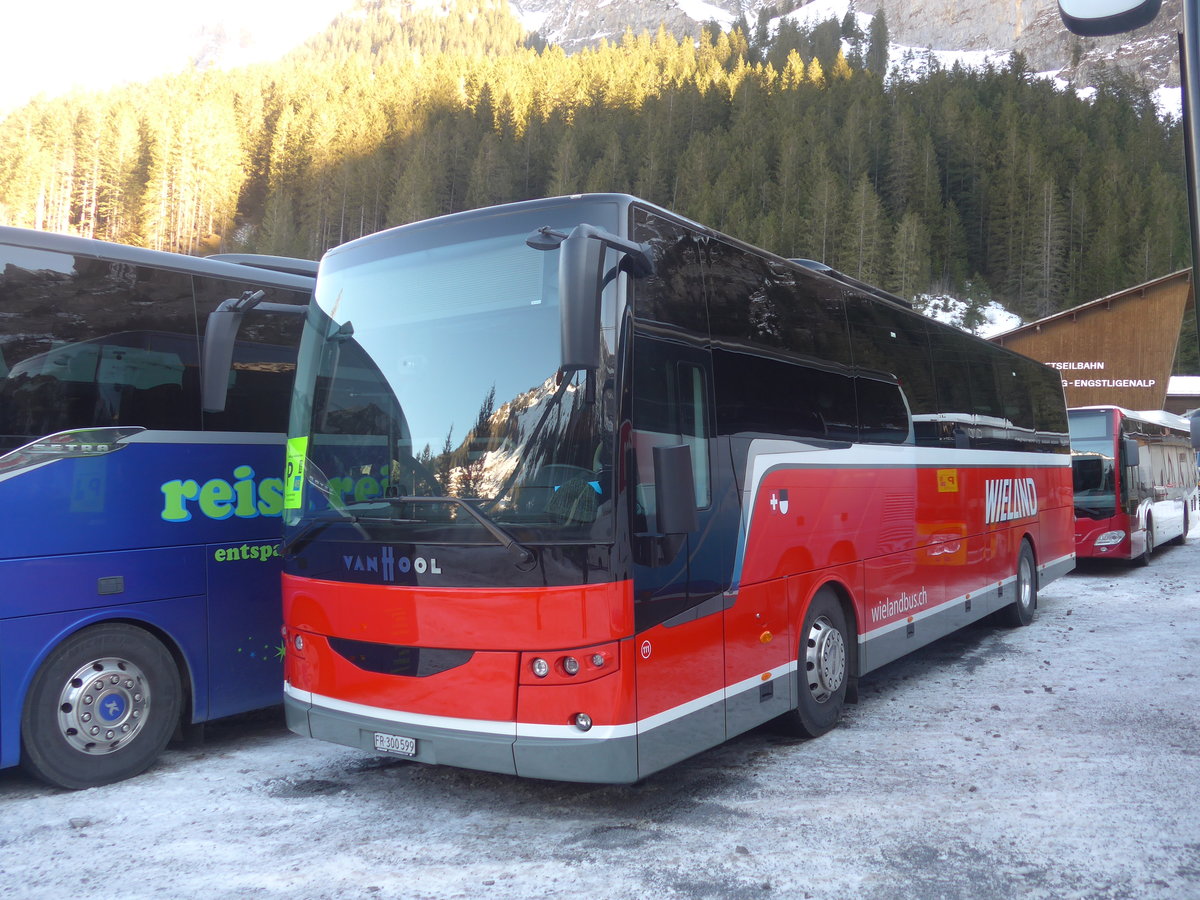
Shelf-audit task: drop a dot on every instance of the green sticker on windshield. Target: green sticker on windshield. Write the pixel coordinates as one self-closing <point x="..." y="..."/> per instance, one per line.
<point x="297" y="453"/>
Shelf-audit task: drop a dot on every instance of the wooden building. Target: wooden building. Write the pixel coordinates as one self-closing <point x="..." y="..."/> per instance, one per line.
<point x="1117" y="350"/>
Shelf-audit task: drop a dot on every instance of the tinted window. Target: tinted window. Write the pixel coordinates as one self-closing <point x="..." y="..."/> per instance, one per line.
<point x="760" y="302"/>
<point x="951" y="352"/>
<point x="670" y="407"/>
<point x="882" y="414"/>
<point x="99" y="344"/>
<point x="674" y="294"/>
<point x="777" y="396"/>
<point x="1046" y="396"/>
<point x="1013" y="384"/>
<point x="891" y="341"/>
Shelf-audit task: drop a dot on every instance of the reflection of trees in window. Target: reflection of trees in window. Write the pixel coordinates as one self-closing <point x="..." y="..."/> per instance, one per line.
<point x="537" y="438"/>
<point x="891" y="341"/>
<point x="674" y="293"/>
<point x="471" y="457"/>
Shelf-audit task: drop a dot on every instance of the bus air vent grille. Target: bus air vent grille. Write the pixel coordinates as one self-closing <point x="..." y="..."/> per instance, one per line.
<point x="393" y="659"/>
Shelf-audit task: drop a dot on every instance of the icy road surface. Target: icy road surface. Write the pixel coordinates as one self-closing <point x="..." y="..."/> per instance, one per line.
<point x="1059" y="760"/>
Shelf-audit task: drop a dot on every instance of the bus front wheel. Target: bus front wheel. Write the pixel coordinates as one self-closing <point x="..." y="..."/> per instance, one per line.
<point x="1148" y="550"/>
<point x="823" y="667"/>
<point x="101" y="708"/>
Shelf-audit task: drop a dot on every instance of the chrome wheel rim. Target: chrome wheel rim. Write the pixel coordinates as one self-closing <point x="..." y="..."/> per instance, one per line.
<point x="103" y="705"/>
<point x="824" y="659"/>
<point x="1025" y="585"/>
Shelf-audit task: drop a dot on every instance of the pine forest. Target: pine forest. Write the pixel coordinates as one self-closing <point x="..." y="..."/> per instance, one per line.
<point x="988" y="184"/>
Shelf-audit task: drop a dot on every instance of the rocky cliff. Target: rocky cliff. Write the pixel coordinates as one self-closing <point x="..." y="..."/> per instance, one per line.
<point x="1030" y="26"/>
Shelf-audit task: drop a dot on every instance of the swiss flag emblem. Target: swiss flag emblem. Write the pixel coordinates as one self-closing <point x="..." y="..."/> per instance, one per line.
<point x="779" y="502"/>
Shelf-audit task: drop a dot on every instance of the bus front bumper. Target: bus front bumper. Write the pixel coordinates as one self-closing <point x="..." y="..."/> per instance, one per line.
<point x="484" y="746"/>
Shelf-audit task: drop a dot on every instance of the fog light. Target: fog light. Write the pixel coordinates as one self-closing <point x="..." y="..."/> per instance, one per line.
<point x="571" y="665"/>
<point x="598" y="660"/>
<point x="583" y="721"/>
<point x="298" y="643"/>
<point x="541" y="668"/>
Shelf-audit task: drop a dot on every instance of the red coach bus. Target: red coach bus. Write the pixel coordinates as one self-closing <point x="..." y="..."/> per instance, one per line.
<point x="1135" y="481"/>
<point x="578" y="488"/>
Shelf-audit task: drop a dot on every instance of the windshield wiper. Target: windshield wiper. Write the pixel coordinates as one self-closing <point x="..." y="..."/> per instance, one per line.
<point x="523" y="554"/>
<point x="313" y="527"/>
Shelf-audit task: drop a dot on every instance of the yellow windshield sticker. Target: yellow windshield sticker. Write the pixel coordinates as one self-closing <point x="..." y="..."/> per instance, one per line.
<point x="297" y="453"/>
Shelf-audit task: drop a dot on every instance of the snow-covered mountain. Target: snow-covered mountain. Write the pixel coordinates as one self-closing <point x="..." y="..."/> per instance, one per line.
<point x="1032" y="27"/>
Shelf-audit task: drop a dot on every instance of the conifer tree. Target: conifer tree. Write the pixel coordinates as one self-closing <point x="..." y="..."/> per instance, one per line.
<point x="878" y="41"/>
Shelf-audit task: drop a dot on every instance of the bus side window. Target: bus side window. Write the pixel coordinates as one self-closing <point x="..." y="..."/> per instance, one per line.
<point x="883" y="416"/>
<point x="764" y="395"/>
<point x="670" y="407"/>
<point x="102" y="344"/>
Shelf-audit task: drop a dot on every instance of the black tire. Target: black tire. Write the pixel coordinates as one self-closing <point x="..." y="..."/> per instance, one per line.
<point x="1020" y="612"/>
<point x="824" y="669"/>
<point x="68" y="739"/>
<point x="1144" y="559"/>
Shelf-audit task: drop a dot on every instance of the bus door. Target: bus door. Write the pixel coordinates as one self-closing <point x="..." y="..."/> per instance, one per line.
<point x="678" y="597"/>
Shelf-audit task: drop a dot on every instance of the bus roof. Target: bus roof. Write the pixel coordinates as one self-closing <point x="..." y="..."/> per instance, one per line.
<point x="240" y="269"/>
<point x="1151" y="416"/>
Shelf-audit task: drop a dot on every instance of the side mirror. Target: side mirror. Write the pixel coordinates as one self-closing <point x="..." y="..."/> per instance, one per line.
<point x="1194" y="420"/>
<point x="1131" y="452"/>
<point x="581" y="278"/>
<point x="1099" y="18"/>
<point x="220" y="334"/>
<point x="220" y="338"/>
<point x="580" y="270"/>
<point x="674" y="490"/>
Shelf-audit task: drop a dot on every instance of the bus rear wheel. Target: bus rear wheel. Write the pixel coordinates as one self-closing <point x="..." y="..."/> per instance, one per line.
<point x="824" y="667"/>
<point x="1020" y="612"/>
<point x="101" y="708"/>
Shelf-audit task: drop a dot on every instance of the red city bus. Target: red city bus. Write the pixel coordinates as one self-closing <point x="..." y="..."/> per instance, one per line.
<point x="578" y="488"/>
<point x="1135" y="481"/>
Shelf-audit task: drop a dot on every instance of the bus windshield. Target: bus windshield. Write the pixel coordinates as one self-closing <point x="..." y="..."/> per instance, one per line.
<point x="430" y="369"/>
<point x="1093" y="464"/>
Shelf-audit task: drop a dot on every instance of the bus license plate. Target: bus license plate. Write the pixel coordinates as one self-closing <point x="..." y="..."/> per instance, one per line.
<point x="393" y="743"/>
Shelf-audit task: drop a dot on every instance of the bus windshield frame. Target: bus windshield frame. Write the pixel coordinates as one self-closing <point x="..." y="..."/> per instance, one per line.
<point x="429" y="379"/>
<point x="1093" y="462"/>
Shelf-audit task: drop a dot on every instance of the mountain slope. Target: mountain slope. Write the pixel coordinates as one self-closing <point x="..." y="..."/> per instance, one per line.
<point x="1032" y="27"/>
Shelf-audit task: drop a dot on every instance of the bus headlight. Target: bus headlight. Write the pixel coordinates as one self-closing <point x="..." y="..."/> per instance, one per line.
<point x="1109" y="538"/>
<point x="583" y="721"/>
<point x="570" y="666"/>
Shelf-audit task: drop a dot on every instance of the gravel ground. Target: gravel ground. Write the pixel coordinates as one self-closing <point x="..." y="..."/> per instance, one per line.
<point x="1053" y="761"/>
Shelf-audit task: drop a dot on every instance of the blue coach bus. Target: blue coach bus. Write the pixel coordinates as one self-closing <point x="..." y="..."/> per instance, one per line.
<point x="139" y="522"/>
